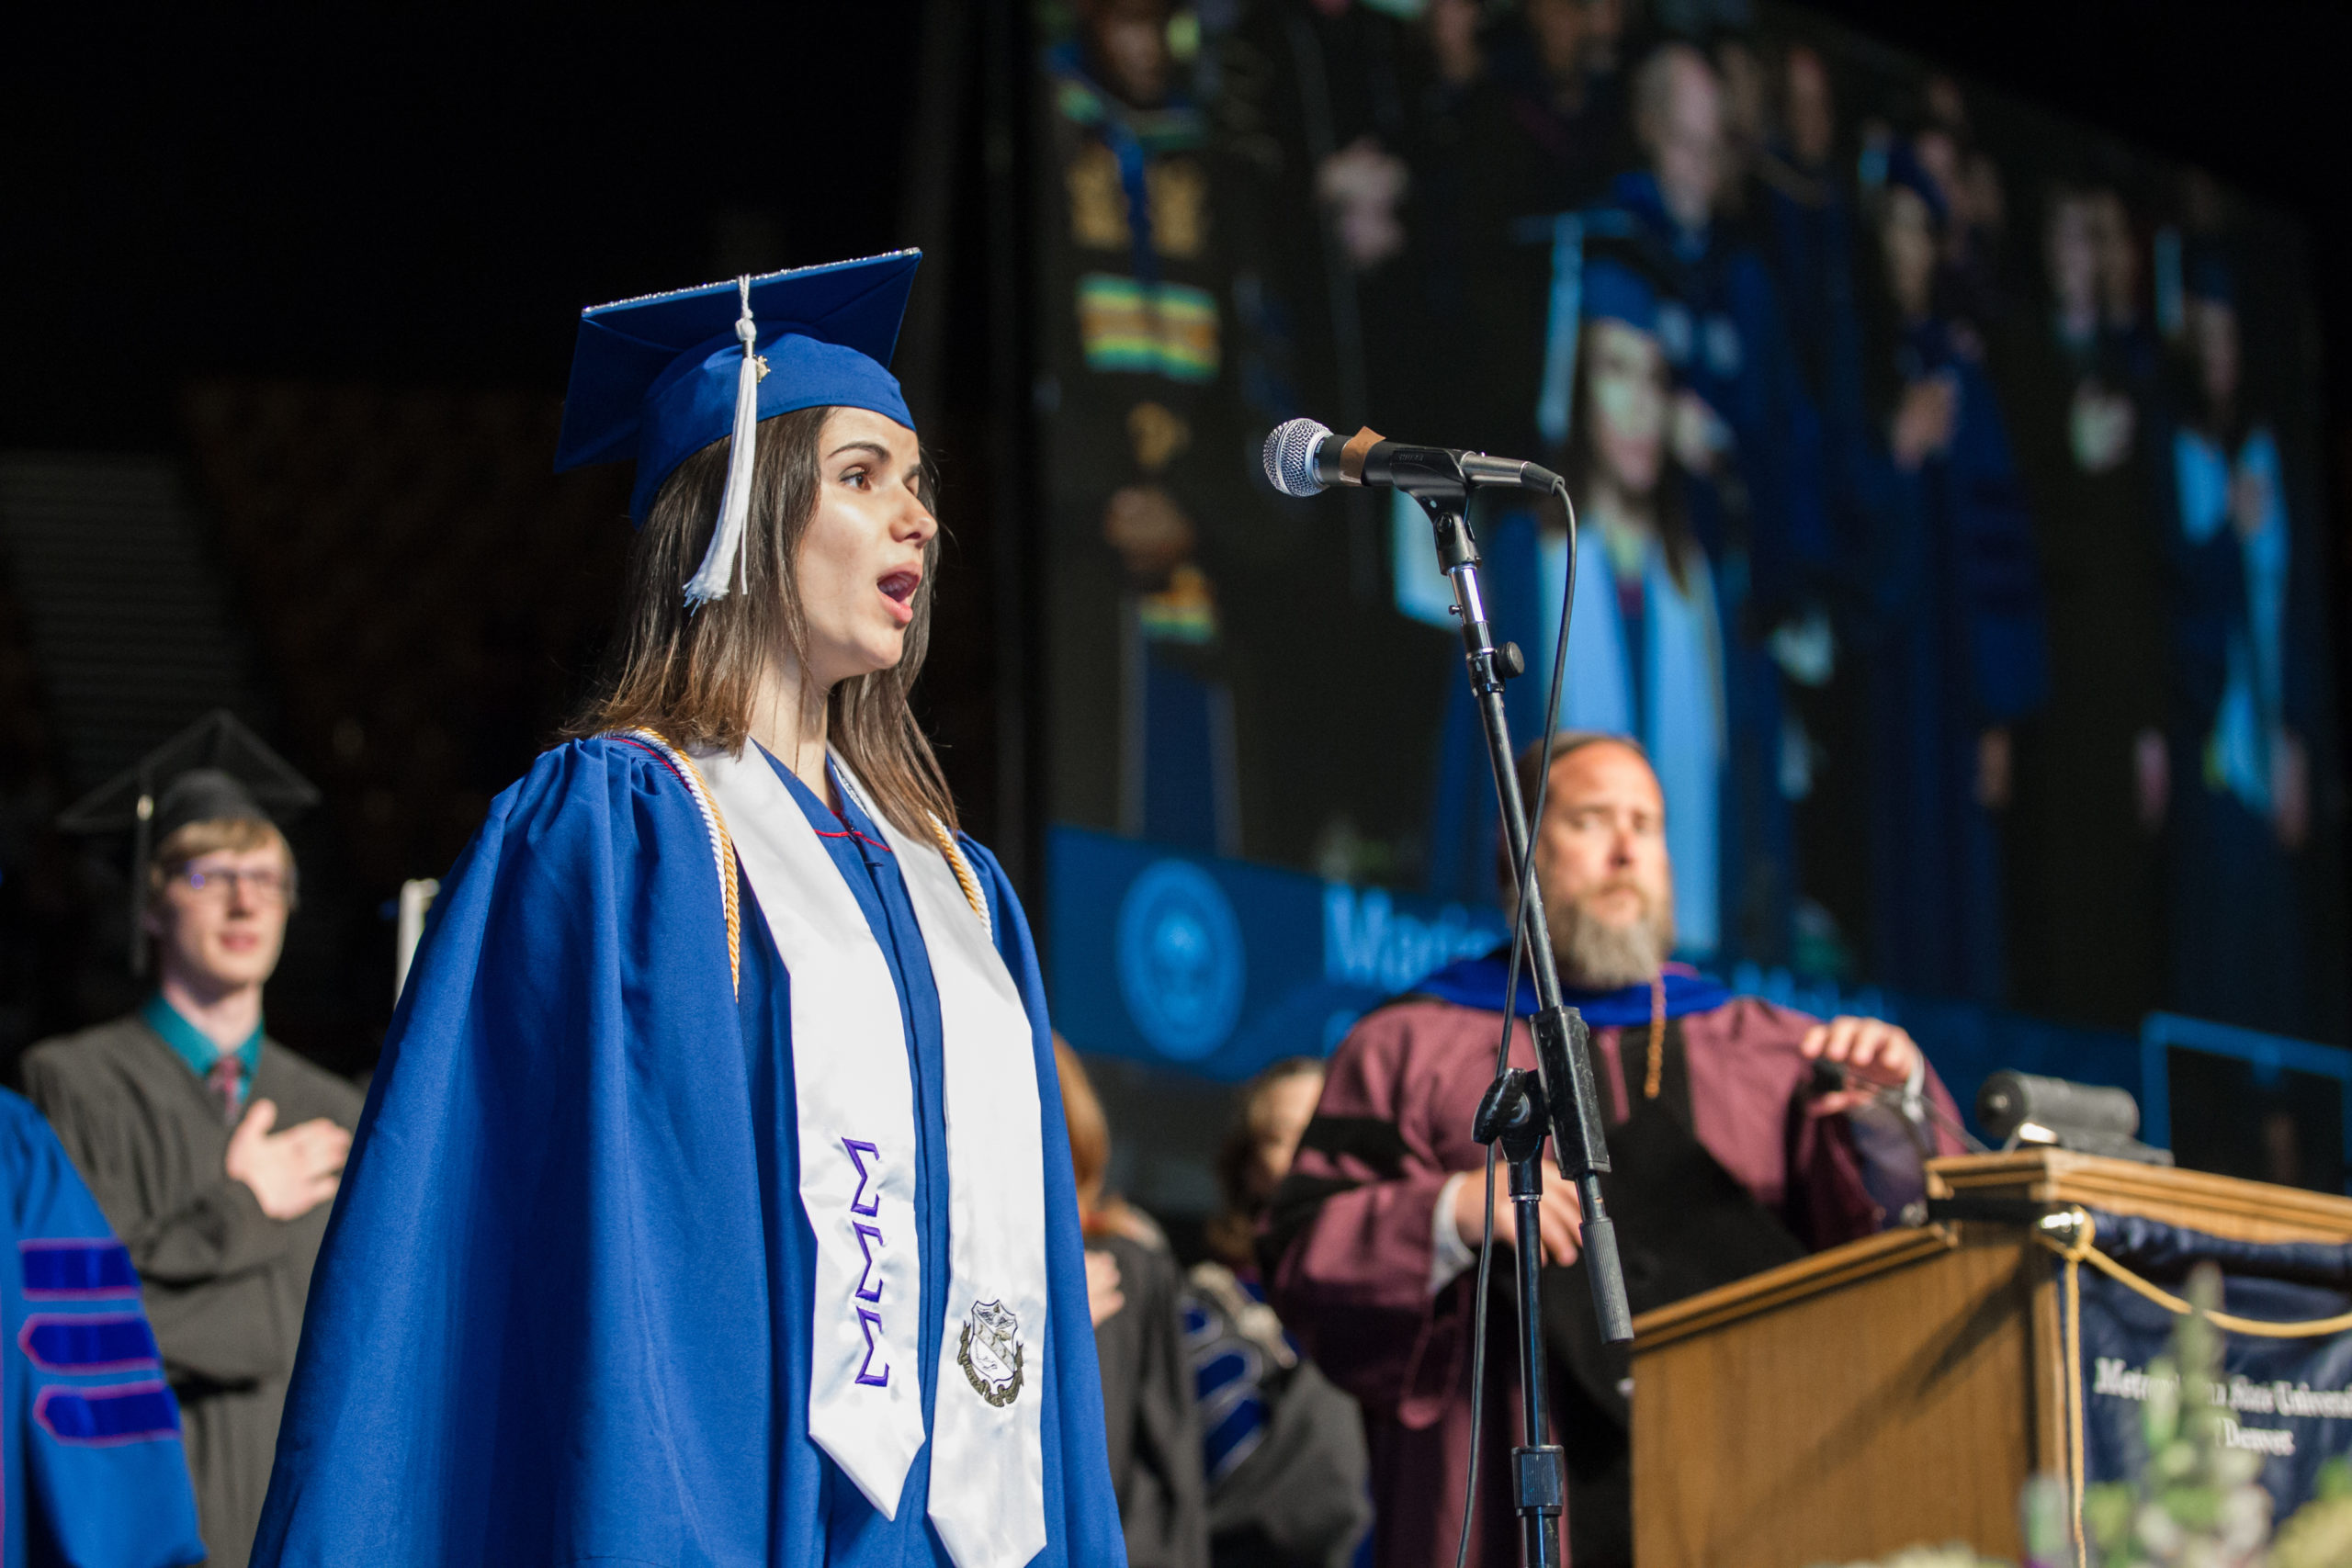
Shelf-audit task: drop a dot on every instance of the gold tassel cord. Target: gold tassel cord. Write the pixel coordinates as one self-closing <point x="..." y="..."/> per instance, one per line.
<point x="965" y="879"/>
<point x="2312" y="1328"/>
<point x="722" y="843"/>
<point x="1655" y="1079"/>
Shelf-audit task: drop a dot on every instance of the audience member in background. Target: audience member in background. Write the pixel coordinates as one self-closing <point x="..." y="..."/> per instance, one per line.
<point x="94" y="1471"/>
<point x="1958" y="654"/>
<point x="1283" y="1448"/>
<point x="1133" y="1285"/>
<point x="2242" y="777"/>
<point x="2088" y="941"/>
<point x="1725" y="1164"/>
<point x="213" y="1150"/>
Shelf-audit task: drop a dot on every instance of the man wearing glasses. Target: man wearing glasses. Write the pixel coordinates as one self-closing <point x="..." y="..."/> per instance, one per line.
<point x="213" y="1150"/>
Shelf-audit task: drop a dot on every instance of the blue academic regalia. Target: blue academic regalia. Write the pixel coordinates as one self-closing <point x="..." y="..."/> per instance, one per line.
<point x="1958" y="649"/>
<point x="563" y="1313"/>
<point x="95" y="1474"/>
<point x="2236" y="941"/>
<point x="1769" y="534"/>
<point x="1660" y="681"/>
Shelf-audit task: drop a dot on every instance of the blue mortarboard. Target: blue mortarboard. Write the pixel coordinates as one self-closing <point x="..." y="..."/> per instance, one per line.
<point x="1615" y="292"/>
<point x="662" y="377"/>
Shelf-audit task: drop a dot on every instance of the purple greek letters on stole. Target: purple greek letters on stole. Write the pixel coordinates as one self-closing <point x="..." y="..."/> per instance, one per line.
<point x="869" y="1237"/>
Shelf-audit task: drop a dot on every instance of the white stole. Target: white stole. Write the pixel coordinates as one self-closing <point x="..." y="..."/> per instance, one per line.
<point x="1680" y="666"/>
<point x="855" y="1111"/>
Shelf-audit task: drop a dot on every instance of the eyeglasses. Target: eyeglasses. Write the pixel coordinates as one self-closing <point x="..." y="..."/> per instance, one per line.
<point x="262" y="886"/>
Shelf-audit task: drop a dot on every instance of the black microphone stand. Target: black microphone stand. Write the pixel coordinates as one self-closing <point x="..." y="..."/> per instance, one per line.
<point x="1559" y="1097"/>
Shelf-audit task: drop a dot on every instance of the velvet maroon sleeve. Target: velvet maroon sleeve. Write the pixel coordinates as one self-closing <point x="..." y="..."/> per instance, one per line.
<point x="1348" y="1242"/>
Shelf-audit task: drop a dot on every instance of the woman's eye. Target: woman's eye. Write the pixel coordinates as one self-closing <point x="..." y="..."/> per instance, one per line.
<point x="855" y="478"/>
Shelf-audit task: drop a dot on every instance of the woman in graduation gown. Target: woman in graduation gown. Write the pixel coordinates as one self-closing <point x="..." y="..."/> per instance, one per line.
<point x="711" y="1204"/>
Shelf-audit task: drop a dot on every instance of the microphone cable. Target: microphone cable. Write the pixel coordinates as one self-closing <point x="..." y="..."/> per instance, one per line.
<point x="1526" y="875"/>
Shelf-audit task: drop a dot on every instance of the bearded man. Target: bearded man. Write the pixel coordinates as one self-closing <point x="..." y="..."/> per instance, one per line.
<point x="1729" y="1155"/>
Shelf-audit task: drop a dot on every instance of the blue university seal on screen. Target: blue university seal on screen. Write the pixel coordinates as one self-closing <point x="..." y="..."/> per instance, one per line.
<point x="1181" y="965"/>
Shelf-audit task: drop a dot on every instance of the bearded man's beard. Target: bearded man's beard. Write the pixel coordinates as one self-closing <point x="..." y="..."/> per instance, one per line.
<point x="1598" y="954"/>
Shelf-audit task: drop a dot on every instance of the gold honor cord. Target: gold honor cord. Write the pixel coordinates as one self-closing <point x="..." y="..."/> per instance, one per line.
<point x="722" y="846"/>
<point x="964" y="876"/>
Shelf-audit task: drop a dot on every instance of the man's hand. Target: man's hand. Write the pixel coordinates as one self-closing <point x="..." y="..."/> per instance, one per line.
<point x="1876" y="1053"/>
<point x="1103" y="1297"/>
<point x="1560" y="1219"/>
<point x="1924" y="421"/>
<point x="2290" y="790"/>
<point x="1994" y="769"/>
<point x="2151" y="778"/>
<point x="292" y="1172"/>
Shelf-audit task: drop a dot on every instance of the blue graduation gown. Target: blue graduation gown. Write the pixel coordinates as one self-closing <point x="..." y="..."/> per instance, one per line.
<point x="1958" y="649"/>
<point x="1767" y="536"/>
<point x="563" y="1312"/>
<point x="94" y="1471"/>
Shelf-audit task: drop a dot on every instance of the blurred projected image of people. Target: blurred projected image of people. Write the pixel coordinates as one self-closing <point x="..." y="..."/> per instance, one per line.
<point x="1283" y="1448"/>
<point x="1133" y="397"/>
<point x="1133" y="1288"/>
<point x="1543" y="134"/>
<point x="1644" y="652"/>
<point x="1958" y="654"/>
<point x="1807" y="221"/>
<point x="1749" y="442"/>
<point x="2090" y="768"/>
<point x="2241" y="785"/>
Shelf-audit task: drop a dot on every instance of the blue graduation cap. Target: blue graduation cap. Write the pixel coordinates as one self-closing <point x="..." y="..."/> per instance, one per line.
<point x="661" y="376"/>
<point x="1615" y="291"/>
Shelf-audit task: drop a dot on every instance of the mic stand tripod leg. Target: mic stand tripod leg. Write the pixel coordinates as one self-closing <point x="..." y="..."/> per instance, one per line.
<point x="1513" y="1111"/>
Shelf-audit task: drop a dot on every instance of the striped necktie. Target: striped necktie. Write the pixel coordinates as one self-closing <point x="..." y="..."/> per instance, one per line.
<point x="227" y="1081"/>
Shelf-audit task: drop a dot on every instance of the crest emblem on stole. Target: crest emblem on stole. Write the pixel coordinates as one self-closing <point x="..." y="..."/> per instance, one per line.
<point x="990" y="1352"/>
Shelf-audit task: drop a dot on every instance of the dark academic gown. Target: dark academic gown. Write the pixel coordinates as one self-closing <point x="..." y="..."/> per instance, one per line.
<point x="1148" y="1412"/>
<point x="563" y="1313"/>
<point x="1807" y="228"/>
<point x="1721" y="1175"/>
<point x="1283" y="1448"/>
<point x="224" y="1282"/>
<point x="2088" y="886"/>
<point x="1958" y="649"/>
<point x="90" y="1452"/>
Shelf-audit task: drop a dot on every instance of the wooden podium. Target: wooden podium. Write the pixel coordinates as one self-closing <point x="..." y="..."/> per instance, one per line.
<point x="1898" y="1389"/>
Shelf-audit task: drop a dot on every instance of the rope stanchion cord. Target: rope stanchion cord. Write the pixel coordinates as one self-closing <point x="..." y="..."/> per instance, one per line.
<point x="2085" y="1250"/>
<point x="2073" y="1234"/>
<point x="2074" y="1251"/>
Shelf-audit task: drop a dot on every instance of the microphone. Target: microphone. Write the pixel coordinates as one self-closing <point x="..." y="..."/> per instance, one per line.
<point x="1305" y="457"/>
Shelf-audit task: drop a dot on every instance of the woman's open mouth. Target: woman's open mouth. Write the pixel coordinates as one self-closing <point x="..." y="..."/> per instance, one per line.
<point x="898" y="588"/>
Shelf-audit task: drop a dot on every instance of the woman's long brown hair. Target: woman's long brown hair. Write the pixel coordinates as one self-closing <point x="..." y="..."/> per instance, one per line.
<point x="692" y="675"/>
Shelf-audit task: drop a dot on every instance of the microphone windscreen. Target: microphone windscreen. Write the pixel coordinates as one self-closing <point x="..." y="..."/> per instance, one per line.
<point x="1289" y="457"/>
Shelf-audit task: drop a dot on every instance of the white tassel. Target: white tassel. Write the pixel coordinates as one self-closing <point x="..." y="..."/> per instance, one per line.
<point x="716" y="574"/>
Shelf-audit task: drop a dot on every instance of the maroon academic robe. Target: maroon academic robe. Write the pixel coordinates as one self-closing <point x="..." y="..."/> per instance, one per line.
<point x="1353" y="1279"/>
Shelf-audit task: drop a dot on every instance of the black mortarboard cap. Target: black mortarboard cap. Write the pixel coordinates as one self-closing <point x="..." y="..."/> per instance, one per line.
<point x="215" y="770"/>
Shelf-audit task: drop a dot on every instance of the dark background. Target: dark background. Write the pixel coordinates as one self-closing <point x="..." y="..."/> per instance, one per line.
<point x="330" y="269"/>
